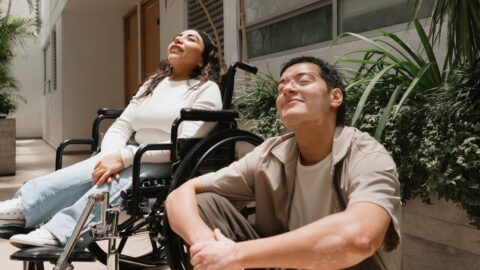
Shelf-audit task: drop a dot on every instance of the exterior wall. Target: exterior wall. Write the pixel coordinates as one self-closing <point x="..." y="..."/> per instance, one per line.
<point x="92" y="69"/>
<point x="438" y="237"/>
<point x="27" y="69"/>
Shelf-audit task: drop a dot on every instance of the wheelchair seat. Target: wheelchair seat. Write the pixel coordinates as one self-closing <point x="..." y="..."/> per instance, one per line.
<point x="51" y="254"/>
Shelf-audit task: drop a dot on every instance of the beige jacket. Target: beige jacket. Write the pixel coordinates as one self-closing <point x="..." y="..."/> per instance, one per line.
<point x="266" y="176"/>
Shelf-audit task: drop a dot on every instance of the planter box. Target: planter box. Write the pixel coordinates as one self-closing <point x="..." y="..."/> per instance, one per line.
<point x="7" y="146"/>
<point x="438" y="237"/>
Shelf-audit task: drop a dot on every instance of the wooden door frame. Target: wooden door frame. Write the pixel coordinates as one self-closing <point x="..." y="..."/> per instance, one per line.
<point x="134" y="10"/>
<point x="143" y="34"/>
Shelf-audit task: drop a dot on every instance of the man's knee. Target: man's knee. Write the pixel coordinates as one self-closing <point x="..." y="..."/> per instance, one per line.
<point x="209" y="200"/>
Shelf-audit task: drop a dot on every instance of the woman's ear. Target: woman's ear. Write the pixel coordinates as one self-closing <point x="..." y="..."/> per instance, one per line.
<point x="336" y="97"/>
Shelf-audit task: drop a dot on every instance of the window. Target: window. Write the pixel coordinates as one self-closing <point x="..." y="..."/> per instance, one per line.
<point x="38" y="19"/>
<point x="45" y="70"/>
<point x="54" y="59"/>
<point x="363" y="15"/>
<point x="278" y="25"/>
<point x="286" y="25"/>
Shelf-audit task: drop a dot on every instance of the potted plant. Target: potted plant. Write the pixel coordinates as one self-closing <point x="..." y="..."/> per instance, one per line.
<point x="426" y="114"/>
<point x="12" y="32"/>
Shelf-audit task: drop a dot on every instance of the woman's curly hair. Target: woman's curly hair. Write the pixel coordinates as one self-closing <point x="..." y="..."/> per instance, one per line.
<point x="210" y="70"/>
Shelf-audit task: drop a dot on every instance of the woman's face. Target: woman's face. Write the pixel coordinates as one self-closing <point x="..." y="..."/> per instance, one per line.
<point x="185" y="51"/>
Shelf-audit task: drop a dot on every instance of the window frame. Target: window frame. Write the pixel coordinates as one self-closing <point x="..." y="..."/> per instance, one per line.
<point x="290" y="13"/>
<point x="323" y="44"/>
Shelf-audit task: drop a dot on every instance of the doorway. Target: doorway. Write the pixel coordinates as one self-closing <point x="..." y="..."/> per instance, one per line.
<point x="141" y="45"/>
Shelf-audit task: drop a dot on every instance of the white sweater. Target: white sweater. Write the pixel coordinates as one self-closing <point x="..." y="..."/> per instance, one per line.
<point x="150" y="118"/>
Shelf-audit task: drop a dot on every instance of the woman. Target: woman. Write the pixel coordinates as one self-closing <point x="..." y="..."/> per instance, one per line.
<point x="189" y="80"/>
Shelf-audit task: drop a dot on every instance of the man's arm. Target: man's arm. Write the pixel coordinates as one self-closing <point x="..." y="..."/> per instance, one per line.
<point x="337" y="241"/>
<point x="183" y="216"/>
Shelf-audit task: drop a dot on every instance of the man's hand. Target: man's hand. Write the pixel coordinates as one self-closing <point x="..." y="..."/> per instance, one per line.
<point x="106" y="168"/>
<point x="220" y="254"/>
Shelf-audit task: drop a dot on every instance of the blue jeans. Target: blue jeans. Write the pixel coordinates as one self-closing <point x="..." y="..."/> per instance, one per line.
<point x="63" y="195"/>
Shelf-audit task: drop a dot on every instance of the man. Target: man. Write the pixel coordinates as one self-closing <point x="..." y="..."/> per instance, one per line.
<point x="327" y="196"/>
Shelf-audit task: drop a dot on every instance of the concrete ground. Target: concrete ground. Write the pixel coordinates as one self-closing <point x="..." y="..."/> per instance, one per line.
<point x="36" y="158"/>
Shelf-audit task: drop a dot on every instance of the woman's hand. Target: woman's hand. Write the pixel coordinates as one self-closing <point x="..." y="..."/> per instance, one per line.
<point x="107" y="168"/>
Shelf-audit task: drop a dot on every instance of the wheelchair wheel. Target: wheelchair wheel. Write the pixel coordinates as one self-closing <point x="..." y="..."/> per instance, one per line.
<point x="212" y="153"/>
<point x="152" y="254"/>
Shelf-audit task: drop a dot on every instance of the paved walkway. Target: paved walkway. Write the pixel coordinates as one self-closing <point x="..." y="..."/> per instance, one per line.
<point x="36" y="158"/>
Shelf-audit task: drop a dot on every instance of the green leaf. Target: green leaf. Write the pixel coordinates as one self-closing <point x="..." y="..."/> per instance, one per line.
<point x="418" y="59"/>
<point x="386" y="113"/>
<point x="428" y="50"/>
<point x="366" y="93"/>
<point x="410" y="88"/>
<point x="382" y="50"/>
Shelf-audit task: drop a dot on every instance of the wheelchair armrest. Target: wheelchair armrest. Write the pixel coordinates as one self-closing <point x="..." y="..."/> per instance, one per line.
<point x="110" y="113"/>
<point x="137" y="159"/>
<point x="191" y="114"/>
<point x="64" y="144"/>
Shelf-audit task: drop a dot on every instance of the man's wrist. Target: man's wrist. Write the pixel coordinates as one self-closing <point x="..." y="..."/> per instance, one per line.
<point x="239" y="256"/>
<point x="202" y="237"/>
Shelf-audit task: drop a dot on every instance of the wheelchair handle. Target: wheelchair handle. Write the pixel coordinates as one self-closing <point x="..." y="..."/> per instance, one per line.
<point x="114" y="113"/>
<point x="245" y="67"/>
<point x="192" y="114"/>
<point x="64" y="144"/>
<point x="227" y="99"/>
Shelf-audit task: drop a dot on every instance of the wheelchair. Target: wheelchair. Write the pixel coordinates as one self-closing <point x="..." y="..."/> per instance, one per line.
<point x="143" y="202"/>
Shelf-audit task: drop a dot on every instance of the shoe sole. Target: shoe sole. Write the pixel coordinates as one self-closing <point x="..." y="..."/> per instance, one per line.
<point x="24" y="243"/>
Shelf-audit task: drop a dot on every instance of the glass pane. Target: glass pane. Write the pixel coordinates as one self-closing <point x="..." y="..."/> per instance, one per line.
<point x="304" y="29"/>
<point x="362" y="15"/>
<point x="260" y="10"/>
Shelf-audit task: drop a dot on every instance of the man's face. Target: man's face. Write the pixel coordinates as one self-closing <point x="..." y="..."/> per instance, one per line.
<point x="304" y="98"/>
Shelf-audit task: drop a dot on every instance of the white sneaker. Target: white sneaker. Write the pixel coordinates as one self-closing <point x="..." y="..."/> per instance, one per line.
<point x="10" y="214"/>
<point x="38" y="238"/>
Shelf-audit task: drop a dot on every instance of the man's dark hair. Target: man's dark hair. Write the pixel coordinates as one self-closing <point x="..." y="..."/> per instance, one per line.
<point x="328" y="73"/>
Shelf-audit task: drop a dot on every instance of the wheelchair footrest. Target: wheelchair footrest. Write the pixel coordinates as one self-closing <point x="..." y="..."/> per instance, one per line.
<point x="7" y="232"/>
<point x="50" y="254"/>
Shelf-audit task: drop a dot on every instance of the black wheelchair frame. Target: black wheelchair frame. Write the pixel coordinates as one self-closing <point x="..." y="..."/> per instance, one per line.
<point x="189" y="157"/>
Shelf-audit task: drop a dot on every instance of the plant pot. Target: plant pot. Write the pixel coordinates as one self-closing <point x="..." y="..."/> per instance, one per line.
<point x="439" y="237"/>
<point x="7" y="146"/>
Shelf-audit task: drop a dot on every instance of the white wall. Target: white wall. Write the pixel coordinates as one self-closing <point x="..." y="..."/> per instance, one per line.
<point x="27" y="69"/>
<point x="92" y="60"/>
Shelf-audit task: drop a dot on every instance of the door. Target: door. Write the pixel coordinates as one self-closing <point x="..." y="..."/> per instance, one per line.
<point x="141" y="61"/>
<point x="150" y="38"/>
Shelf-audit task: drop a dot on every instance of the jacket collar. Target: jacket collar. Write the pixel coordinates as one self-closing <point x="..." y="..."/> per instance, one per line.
<point x="287" y="151"/>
